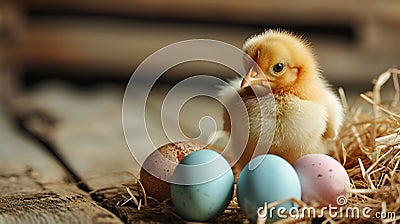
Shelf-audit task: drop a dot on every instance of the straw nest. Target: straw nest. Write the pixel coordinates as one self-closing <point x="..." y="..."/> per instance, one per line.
<point x="368" y="146"/>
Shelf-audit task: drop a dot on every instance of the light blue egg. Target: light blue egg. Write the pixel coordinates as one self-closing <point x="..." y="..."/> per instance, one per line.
<point x="267" y="178"/>
<point x="202" y="190"/>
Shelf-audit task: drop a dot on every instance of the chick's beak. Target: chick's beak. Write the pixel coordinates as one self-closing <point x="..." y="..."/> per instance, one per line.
<point x="254" y="77"/>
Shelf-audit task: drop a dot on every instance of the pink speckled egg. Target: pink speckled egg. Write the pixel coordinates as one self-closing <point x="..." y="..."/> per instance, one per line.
<point x="323" y="179"/>
<point x="158" y="168"/>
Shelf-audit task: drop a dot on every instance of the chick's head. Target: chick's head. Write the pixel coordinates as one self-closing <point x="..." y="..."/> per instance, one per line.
<point x="281" y="60"/>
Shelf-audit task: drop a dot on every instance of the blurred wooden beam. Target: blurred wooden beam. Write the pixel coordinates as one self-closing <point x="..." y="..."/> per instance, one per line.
<point x="235" y="11"/>
<point x="102" y="46"/>
<point x="65" y="42"/>
<point x="114" y="48"/>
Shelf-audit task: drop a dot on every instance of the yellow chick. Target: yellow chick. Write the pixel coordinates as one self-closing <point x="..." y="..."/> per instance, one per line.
<point x="307" y="111"/>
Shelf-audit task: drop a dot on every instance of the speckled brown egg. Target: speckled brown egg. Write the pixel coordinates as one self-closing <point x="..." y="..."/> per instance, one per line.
<point x="158" y="168"/>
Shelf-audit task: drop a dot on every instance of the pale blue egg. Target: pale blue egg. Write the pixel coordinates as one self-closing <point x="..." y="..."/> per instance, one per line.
<point x="267" y="178"/>
<point x="204" y="187"/>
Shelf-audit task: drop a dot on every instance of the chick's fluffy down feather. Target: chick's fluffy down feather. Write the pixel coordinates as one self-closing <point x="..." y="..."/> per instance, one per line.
<point x="301" y="119"/>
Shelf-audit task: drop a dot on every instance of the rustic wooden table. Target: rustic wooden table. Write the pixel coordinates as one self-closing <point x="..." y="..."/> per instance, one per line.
<point x="63" y="156"/>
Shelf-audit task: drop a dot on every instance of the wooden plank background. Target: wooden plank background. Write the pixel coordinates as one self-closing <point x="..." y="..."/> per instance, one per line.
<point x="110" y="38"/>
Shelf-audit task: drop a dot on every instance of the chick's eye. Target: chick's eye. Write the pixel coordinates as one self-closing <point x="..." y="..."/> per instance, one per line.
<point x="278" y="67"/>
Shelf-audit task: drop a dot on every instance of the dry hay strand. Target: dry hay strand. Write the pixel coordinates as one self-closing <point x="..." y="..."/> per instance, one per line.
<point x="368" y="146"/>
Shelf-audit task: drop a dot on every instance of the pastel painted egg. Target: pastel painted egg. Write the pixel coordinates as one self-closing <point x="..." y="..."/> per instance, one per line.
<point x="323" y="180"/>
<point x="157" y="169"/>
<point x="266" y="179"/>
<point x="203" y="186"/>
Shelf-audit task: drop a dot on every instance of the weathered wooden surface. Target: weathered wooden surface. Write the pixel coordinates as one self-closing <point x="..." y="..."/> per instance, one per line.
<point x="88" y="134"/>
<point x="190" y="113"/>
<point x="89" y="125"/>
<point x="34" y="188"/>
<point x="19" y="153"/>
<point x="26" y="200"/>
<point x="88" y="129"/>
